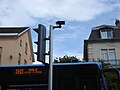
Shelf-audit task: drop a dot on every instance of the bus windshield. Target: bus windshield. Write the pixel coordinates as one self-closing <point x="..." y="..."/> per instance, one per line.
<point x="84" y="76"/>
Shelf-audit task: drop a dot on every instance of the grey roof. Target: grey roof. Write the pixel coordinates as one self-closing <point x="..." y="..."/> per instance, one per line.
<point x="95" y="33"/>
<point x="103" y="26"/>
<point x="11" y="31"/>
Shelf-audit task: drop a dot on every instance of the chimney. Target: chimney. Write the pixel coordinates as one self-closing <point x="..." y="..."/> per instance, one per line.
<point x="117" y="23"/>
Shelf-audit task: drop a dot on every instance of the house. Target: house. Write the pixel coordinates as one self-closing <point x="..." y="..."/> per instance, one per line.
<point x="15" y="46"/>
<point x="104" y="44"/>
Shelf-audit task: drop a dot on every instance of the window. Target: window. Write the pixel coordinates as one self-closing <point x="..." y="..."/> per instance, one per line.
<point x="30" y="57"/>
<point x="112" y="56"/>
<point x="19" y="59"/>
<point x="26" y="48"/>
<point x="66" y="84"/>
<point x="104" y="54"/>
<point x="21" y="43"/>
<point x="0" y="50"/>
<point x="106" y="34"/>
<point x="25" y="61"/>
<point x="0" y="54"/>
<point x="108" y="55"/>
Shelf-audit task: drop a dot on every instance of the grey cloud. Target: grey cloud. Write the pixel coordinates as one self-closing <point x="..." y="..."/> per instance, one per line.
<point x="19" y="12"/>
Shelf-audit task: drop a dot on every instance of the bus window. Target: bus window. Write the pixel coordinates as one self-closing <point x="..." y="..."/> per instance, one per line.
<point x="88" y="84"/>
<point x="76" y="83"/>
<point x="66" y="84"/>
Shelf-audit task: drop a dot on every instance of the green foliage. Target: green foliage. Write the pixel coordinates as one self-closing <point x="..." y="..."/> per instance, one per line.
<point x="112" y="81"/>
<point x="66" y="59"/>
<point x="111" y="77"/>
<point x="104" y="64"/>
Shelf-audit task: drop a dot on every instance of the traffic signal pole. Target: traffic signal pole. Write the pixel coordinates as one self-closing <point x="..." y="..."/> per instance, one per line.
<point x="50" y="84"/>
<point x="59" y="23"/>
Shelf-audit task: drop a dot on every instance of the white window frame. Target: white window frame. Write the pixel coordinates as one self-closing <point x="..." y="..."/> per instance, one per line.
<point x="108" y="51"/>
<point x="106" y="34"/>
<point x="104" y="54"/>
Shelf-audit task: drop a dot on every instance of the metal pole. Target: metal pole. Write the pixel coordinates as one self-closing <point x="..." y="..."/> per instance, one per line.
<point x="50" y="58"/>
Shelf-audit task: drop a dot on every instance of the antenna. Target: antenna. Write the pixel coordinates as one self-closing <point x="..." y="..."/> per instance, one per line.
<point x="116" y="21"/>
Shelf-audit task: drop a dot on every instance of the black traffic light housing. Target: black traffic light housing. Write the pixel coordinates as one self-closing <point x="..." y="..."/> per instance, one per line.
<point x="41" y="43"/>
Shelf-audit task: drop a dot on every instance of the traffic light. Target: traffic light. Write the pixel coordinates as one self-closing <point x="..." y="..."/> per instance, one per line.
<point x="41" y="43"/>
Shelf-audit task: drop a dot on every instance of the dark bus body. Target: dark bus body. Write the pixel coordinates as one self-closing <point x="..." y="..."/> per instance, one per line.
<point x="66" y="76"/>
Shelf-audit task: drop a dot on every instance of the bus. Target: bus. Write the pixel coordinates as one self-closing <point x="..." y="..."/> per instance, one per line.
<point x="66" y="76"/>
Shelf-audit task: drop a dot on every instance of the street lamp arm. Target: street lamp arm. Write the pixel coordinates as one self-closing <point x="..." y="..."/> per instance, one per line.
<point x="57" y="26"/>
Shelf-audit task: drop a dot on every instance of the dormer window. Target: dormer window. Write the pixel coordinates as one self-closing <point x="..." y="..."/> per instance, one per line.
<point x="106" y="33"/>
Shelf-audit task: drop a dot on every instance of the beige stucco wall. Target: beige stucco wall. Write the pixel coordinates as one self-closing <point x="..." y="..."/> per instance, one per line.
<point x="11" y="46"/>
<point x="8" y="48"/>
<point x="96" y="48"/>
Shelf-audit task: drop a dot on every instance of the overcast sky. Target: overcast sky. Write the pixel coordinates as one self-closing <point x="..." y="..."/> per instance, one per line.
<point x="80" y="17"/>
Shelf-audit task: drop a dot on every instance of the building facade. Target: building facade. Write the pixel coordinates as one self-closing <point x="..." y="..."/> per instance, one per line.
<point x="104" y="44"/>
<point x="15" y="46"/>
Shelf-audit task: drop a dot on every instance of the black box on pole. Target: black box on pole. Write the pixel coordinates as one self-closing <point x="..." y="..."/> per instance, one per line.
<point x="41" y="43"/>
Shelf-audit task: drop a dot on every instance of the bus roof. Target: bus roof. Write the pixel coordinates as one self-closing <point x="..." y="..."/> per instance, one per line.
<point x="80" y="63"/>
<point x="56" y="64"/>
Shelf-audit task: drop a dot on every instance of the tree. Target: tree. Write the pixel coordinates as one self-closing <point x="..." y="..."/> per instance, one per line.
<point x="66" y="59"/>
<point x="104" y="64"/>
<point x="111" y="77"/>
<point x="112" y="81"/>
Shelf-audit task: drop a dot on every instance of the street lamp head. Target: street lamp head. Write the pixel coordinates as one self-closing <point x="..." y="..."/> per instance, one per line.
<point x="60" y="23"/>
